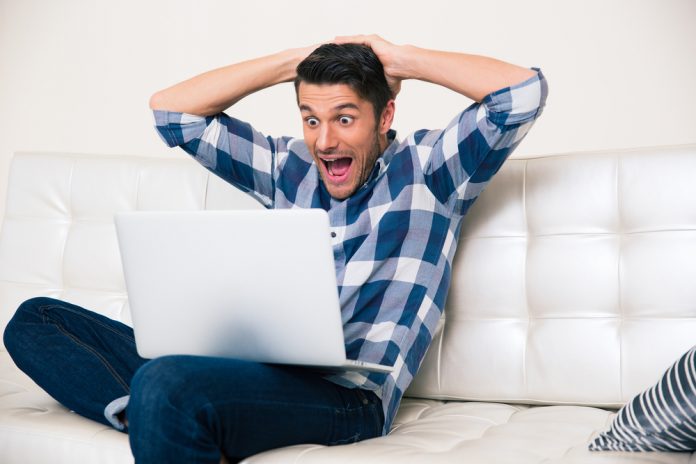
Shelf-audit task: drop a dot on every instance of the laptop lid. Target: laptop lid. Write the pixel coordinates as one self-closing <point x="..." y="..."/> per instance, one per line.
<point x="254" y="285"/>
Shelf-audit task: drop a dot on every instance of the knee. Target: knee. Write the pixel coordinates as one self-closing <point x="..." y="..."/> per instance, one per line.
<point x="20" y="325"/>
<point x="167" y="411"/>
<point x="30" y="310"/>
<point x="159" y="388"/>
<point x="158" y="376"/>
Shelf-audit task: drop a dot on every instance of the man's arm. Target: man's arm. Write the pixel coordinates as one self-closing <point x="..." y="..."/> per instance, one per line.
<point x="214" y="91"/>
<point x="471" y="75"/>
<point x="190" y="115"/>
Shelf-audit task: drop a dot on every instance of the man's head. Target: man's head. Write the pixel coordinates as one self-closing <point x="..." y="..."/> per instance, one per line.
<point x="347" y="109"/>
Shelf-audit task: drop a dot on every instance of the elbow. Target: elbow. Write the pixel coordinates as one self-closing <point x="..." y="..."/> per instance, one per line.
<point x="157" y="101"/>
<point x="163" y="101"/>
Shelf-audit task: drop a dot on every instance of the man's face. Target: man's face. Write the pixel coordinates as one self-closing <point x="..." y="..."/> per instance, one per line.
<point x="342" y="135"/>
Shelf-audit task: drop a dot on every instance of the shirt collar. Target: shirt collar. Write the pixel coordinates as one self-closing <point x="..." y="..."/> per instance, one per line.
<point x="383" y="161"/>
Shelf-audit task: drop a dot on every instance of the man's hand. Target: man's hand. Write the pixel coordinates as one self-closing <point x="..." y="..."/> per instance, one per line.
<point x="388" y="53"/>
<point x="470" y="75"/>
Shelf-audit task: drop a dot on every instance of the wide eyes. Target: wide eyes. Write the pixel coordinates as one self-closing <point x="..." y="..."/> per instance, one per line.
<point x="343" y="120"/>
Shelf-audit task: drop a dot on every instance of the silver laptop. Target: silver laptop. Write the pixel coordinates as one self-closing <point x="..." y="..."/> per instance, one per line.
<point x="252" y="285"/>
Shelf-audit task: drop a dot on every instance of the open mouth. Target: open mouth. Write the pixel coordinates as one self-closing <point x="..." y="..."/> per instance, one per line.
<point x="337" y="169"/>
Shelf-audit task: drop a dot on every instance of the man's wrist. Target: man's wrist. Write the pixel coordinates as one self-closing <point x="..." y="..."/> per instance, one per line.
<point x="404" y="62"/>
<point x="291" y="58"/>
<point x="286" y="62"/>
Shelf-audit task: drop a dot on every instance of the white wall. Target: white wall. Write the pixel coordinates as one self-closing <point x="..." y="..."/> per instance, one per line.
<point x="76" y="75"/>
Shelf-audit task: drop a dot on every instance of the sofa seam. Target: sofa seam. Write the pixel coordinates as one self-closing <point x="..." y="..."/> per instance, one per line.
<point x="622" y="314"/>
<point x="526" y="281"/>
<point x="70" y="225"/>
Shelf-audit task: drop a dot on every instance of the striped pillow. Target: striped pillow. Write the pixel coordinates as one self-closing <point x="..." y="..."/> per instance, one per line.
<point x="662" y="418"/>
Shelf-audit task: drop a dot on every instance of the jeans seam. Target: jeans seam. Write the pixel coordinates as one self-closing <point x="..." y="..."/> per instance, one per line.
<point x="372" y="408"/>
<point x="345" y="441"/>
<point x="101" y="359"/>
<point x="85" y="316"/>
<point x="368" y="408"/>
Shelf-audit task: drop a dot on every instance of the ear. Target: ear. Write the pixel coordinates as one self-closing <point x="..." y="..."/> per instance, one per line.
<point x="387" y="117"/>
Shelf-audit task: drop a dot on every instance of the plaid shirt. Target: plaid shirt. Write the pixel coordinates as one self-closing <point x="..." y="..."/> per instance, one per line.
<point x="395" y="237"/>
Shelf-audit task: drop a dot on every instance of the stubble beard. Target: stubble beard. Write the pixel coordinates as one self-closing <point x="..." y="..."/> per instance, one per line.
<point x="369" y="163"/>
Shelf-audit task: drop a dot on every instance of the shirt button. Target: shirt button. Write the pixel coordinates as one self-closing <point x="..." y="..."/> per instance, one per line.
<point x="333" y="234"/>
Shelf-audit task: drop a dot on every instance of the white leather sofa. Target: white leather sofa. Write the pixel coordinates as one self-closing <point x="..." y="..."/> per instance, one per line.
<point x="574" y="287"/>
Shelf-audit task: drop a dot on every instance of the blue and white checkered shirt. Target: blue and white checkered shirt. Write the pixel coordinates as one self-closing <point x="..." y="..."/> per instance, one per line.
<point x="395" y="237"/>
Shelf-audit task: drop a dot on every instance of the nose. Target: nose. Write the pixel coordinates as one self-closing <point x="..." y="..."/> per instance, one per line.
<point x="326" y="140"/>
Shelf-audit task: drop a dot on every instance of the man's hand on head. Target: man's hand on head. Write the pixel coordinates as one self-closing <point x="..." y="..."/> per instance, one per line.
<point x="473" y="76"/>
<point x="389" y="54"/>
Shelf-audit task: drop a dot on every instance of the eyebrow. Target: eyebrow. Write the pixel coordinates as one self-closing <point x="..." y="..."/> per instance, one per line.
<point x="353" y="106"/>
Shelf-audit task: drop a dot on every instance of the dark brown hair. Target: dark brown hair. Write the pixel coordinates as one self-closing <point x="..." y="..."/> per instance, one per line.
<point x="352" y="64"/>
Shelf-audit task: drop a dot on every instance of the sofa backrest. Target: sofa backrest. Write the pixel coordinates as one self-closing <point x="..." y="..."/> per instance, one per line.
<point x="58" y="237"/>
<point x="573" y="282"/>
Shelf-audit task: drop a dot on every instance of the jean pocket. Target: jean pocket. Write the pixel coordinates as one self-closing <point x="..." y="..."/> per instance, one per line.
<point x="358" y="419"/>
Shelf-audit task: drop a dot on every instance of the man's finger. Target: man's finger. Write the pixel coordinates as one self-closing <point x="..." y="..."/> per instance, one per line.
<point x="351" y="39"/>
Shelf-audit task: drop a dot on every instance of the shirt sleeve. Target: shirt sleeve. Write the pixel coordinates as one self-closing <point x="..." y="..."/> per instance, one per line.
<point x="229" y="148"/>
<point x="460" y="160"/>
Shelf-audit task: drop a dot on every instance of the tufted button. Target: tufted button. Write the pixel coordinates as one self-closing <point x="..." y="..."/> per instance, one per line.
<point x="333" y="234"/>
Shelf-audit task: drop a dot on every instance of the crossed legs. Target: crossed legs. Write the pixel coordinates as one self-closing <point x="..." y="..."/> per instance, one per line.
<point x="182" y="408"/>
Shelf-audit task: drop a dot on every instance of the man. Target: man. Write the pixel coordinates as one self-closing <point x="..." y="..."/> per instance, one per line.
<point x="395" y="209"/>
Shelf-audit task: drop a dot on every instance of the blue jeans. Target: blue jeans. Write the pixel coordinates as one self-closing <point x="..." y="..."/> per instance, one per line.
<point x="182" y="408"/>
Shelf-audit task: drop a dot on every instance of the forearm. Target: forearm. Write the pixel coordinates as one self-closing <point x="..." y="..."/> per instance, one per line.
<point x="214" y="91"/>
<point x="471" y="75"/>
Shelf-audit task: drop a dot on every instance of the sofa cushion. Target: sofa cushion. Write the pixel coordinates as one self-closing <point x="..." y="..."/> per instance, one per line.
<point x="34" y="428"/>
<point x="434" y="432"/>
<point x="662" y="418"/>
